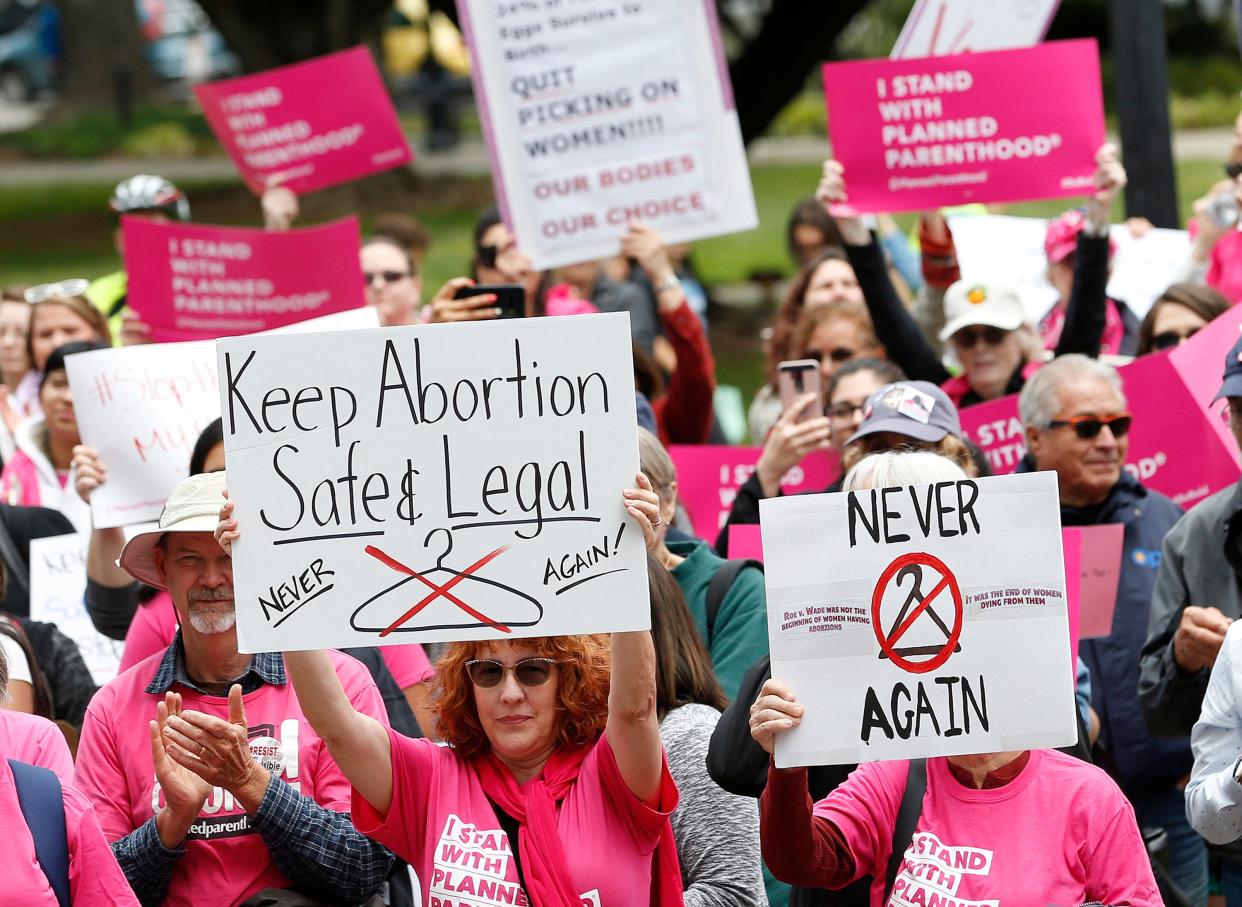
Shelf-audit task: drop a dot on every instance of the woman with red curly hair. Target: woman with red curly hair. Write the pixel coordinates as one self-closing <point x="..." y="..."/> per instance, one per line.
<point x="553" y="789"/>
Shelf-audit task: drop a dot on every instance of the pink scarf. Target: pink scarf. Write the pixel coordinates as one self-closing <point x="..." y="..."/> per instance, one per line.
<point x="534" y="806"/>
<point x="1110" y="341"/>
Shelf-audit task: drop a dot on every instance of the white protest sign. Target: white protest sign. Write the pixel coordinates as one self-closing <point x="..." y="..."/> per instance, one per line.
<point x="145" y="408"/>
<point x="595" y="118"/>
<point x="1002" y="249"/>
<point x="433" y="482"/>
<point x="920" y="621"/>
<point x="937" y="28"/>
<point x="57" y="583"/>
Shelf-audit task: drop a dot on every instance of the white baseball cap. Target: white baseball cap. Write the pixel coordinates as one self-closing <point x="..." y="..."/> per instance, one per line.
<point x="967" y="303"/>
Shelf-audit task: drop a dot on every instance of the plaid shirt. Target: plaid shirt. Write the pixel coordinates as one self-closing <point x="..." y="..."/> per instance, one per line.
<point x="318" y="849"/>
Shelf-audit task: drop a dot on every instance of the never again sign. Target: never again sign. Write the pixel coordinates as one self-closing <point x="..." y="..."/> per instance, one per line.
<point x="918" y="621"/>
<point x="433" y="483"/>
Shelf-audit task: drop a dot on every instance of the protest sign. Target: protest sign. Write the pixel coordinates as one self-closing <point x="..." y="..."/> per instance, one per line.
<point x="709" y="475"/>
<point x="941" y="608"/>
<point x="938" y="27"/>
<point x="941" y="131"/>
<point x="309" y="125"/>
<point x="433" y="482"/>
<point x="596" y="118"/>
<point x="745" y="542"/>
<point x="57" y="581"/>
<point x="1178" y="444"/>
<point x="147" y="406"/>
<point x="998" y="249"/>
<point x="191" y="282"/>
<point x="1092" y="574"/>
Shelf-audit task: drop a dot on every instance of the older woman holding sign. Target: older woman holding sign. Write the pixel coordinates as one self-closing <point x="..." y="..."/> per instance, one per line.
<point x="553" y="786"/>
<point x="1026" y="827"/>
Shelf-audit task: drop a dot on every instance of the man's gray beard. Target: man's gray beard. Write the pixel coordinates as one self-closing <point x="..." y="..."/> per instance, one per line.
<point x="211" y="622"/>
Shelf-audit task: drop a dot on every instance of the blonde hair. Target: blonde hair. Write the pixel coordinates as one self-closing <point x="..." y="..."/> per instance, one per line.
<point x="654" y="461"/>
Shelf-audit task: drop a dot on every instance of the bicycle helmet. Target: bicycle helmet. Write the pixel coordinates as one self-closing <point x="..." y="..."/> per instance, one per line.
<point x="145" y="192"/>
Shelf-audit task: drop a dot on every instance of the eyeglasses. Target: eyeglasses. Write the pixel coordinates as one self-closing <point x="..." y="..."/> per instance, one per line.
<point x="1088" y="427"/>
<point x="966" y="338"/>
<point x="1233" y="170"/>
<point x="843" y="411"/>
<point x="75" y="286"/>
<point x="839" y="355"/>
<point x="529" y="672"/>
<point x="388" y="276"/>
<point x="1166" y="340"/>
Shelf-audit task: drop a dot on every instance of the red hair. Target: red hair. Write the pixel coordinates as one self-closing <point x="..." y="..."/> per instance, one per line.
<point x="583" y="675"/>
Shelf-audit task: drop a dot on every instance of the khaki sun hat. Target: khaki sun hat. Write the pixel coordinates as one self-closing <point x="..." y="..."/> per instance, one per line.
<point x="194" y="506"/>
<point x="967" y="303"/>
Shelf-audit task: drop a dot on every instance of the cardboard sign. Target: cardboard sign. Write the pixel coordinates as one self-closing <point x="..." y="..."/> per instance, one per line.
<point x="1092" y="575"/>
<point x="57" y="582"/>
<point x="433" y="482"/>
<point x="998" y="249"/>
<point x="147" y="406"/>
<point x="596" y="118"/>
<point x="940" y="610"/>
<point x="942" y="131"/>
<point x="197" y="283"/>
<point x="709" y="475"/>
<point x="938" y="27"/>
<point x="309" y="125"/>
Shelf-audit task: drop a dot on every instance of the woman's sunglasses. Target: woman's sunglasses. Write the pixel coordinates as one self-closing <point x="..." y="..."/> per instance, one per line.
<point x="530" y="672"/>
<point x="1088" y="427"/>
<point x="75" y="286"/>
<point x="1166" y="340"/>
<point x="966" y="338"/>
<point x="839" y="355"/>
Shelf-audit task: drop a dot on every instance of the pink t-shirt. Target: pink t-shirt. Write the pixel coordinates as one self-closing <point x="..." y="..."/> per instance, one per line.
<point x="94" y="878"/>
<point x="36" y="741"/>
<point x="155" y="625"/>
<point x="443" y="825"/>
<point x="1061" y="833"/>
<point x="1225" y="266"/>
<point x="224" y="855"/>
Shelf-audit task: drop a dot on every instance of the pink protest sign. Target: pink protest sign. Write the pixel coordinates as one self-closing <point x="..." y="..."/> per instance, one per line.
<point x="1092" y="574"/>
<point x="192" y="282"/>
<point x="309" y="125"/>
<point x="708" y="477"/>
<point x="745" y="541"/>
<point x="940" y="131"/>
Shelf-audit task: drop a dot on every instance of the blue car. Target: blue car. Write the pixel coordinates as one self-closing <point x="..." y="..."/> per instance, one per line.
<point x="29" y="49"/>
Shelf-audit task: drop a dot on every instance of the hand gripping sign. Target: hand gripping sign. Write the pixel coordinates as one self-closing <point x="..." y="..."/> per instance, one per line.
<point x="920" y="621"/>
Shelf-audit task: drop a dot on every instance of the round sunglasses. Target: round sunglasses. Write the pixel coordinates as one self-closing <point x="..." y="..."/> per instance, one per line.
<point x="529" y="672"/>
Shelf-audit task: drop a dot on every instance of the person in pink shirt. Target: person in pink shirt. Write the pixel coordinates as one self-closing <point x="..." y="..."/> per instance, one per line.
<point x="206" y="776"/>
<point x="94" y="878"/>
<point x="1020" y="827"/>
<point x="553" y="790"/>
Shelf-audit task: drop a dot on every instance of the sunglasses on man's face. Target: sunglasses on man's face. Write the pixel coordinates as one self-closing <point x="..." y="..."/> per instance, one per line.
<point x="1089" y="427"/>
<point x="529" y="672"/>
<point x="966" y="338"/>
<point x="1166" y="340"/>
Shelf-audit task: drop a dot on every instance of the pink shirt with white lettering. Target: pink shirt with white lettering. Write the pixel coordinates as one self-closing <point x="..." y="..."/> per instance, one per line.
<point x="1061" y="832"/>
<point x="224" y="856"/>
<point x="443" y="825"/>
<point x="155" y="625"/>
<point x="94" y="878"/>
<point x="35" y="741"/>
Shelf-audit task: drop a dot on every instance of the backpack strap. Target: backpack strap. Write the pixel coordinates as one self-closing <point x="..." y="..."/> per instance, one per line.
<point x="907" y="817"/>
<point x="14" y="563"/>
<point x="43" y="808"/>
<point x="718" y="589"/>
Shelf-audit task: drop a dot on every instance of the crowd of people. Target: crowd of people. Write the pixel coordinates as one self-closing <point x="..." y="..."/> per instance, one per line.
<point x="635" y="768"/>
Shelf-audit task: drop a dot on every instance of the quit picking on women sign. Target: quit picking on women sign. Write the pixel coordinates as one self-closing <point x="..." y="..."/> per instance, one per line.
<point x="941" y="131"/>
<point x="309" y="125"/>
<point x="433" y="482"/>
<point x="600" y="114"/>
<point x="192" y="282"/>
<point x="916" y="621"/>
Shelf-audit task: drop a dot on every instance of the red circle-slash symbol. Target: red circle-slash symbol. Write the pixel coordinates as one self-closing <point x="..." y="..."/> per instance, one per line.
<point x="916" y="604"/>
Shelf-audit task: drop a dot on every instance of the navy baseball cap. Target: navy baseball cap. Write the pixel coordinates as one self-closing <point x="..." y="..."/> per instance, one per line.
<point x="916" y="409"/>
<point x="1232" y="384"/>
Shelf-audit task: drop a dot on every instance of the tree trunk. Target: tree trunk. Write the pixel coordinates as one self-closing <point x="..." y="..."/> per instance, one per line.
<point x="104" y="62"/>
<point x="272" y="33"/>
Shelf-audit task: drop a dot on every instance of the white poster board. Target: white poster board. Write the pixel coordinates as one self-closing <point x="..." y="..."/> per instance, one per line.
<point x="145" y="407"/>
<point x="920" y="621"/>
<point x="57" y="583"/>
<point x="434" y="482"/>
<point x="597" y="117"/>
<point x="998" y="248"/>
<point x="937" y="28"/>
